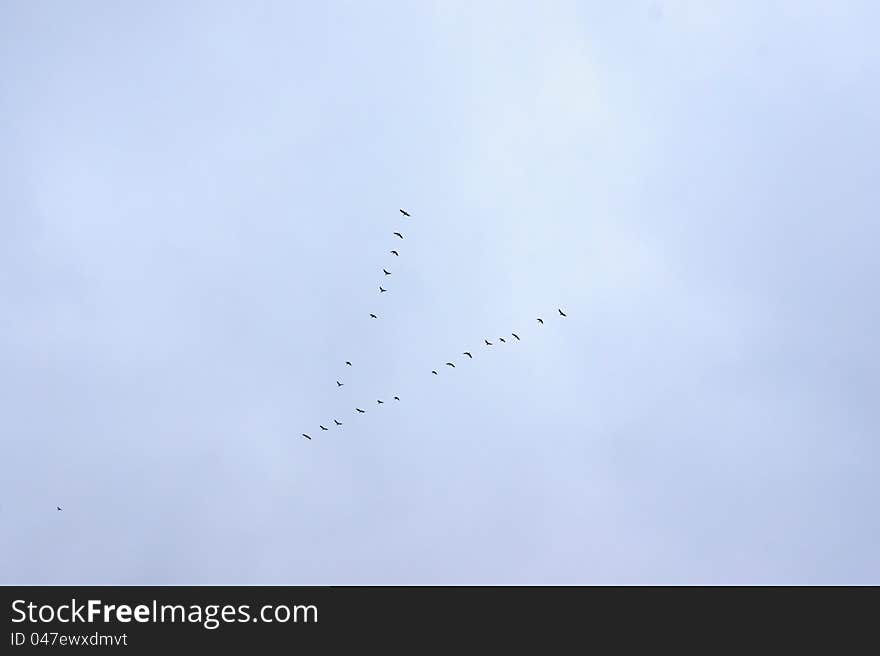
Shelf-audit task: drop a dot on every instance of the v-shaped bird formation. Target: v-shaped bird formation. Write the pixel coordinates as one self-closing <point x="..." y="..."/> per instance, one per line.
<point x="451" y="364"/>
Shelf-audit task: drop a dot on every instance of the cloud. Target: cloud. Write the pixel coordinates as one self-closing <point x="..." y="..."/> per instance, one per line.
<point x="188" y="261"/>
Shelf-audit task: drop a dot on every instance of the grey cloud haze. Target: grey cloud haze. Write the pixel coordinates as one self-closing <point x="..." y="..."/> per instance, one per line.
<point x="196" y="203"/>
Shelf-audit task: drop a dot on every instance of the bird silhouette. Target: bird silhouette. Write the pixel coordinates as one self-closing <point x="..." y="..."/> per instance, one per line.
<point x="434" y="372"/>
<point x="397" y="398"/>
<point x="468" y="354"/>
<point x="359" y="410"/>
<point x="338" y="384"/>
<point x="57" y="507"/>
<point x="348" y="363"/>
<point x="517" y="337"/>
<point x="449" y="364"/>
<point x="540" y="320"/>
<point x="399" y="235"/>
<point x="321" y="427"/>
<point x="306" y="436"/>
<point x="563" y="313"/>
<point x="404" y="212"/>
<point x="373" y="315"/>
<point x="379" y="401"/>
<point x="387" y="272"/>
<point x="338" y="423"/>
<point x="395" y="253"/>
<point x="502" y="340"/>
<point x="381" y="289"/>
<point x="488" y="343"/>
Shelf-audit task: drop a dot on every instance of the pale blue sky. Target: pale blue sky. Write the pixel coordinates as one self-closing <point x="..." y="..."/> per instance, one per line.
<point x="197" y="199"/>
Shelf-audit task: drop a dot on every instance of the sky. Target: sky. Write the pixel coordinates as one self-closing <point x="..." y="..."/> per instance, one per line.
<point x="196" y="203"/>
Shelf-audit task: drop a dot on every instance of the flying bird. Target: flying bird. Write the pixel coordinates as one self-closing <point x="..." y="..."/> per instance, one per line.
<point x="373" y="315"/>
<point x="563" y="313"/>
<point x="379" y="401"/>
<point x="449" y="364"/>
<point x="395" y="253"/>
<point x="517" y="337"/>
<point x="57" y="507"/>
<point x="404" y="212"/>
<point x="502" y="340"/>
<point x="397" y="398"/>
<point x="338" y="384"/>
<point x="399" y="235"/>
<point x="306" y="436"/>
<point x="338" y="423"/>
<point x="359" y="410"/>
<point x="468" y="354"/>
<point x="321" y="427"/>
<point x="348" y="363"/>
<point x="387" y="272"/>
<point x="434" y="372"/>
<point x="381" y="289"/>
<point x="540" y="320"/>
<point x="488" y="343"/>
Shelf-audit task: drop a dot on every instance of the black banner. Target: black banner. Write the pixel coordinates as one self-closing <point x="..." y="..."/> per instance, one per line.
<point x="149" y="619"/>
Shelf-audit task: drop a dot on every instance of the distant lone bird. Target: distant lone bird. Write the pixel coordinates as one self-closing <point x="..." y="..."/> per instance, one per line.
<point x="399" y="235"/>
<point x="449" y="364"/>
<point x="373" y="315"/>
<point x="563" y="313"/>
<point x="338" y="423"/>
<point x="57" y="507"/>
<point x="306" y="436"/>
<point x="380" y="402"/>
<point x="397" y="398"/>
<point x="488" y="343"/>
<point x="502" y="340"/>
<point x="540" y="320"/>
<point x="359" y="410"/>
<point x="386" y="272"/>
<point x="517" y="337"/>
<point x="381" y="289"/>
<point x="321" y="427"/>
<point x="338" y="384"/>
<point x="434" y="372"/>
<point x="348" y="363"/>
<point x="404" y="212"/>
<point x="468" y="354"/>
<point x="395" y="253"/>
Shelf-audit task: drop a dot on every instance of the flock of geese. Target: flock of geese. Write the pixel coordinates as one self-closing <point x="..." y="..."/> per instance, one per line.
<point x="450" y="364"/>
